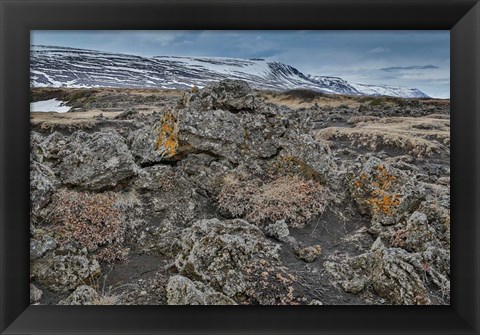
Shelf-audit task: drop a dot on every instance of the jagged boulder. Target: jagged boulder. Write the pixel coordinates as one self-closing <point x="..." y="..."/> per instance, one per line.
<point x="388" y="195"/>
<point x="309" y="254"/>
<point x="35" y="294"/>
<point x="183" y="291"/>
<point x="218" y="132"/>
<point x="218" y="121"/>
<point x="427" y="233"/>
<point x="236" y="137"/>
<point x="64" y="269"/>
<point x="230" y="95"/>
<point x="143" y="144"/>
<point x="426" y="230"/>
<point x="438" y="213"/>
<point x="215" y="252"/>
<point x="83" y="295"/>
<point x="206" y="171"/>
<point x="47" y="149"/>
<point x="262" y="133"/>
<point x="40" y="245"/>
<point x="235" y="258"/>
<point x="278" y="230"/>
<point x="43" y="184"/>
<point x="436" y="262"/>
<point x="418" y="232"/>
<point x="303" y="155"/>
<point x="394" y="274"/>
<point x="97" y="161"/>
<point x="170" y="203"/>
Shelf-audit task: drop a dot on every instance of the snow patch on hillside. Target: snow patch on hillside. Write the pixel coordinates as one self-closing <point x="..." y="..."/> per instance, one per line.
<point x="52" y="105"/>
<point x="74" y="68"/>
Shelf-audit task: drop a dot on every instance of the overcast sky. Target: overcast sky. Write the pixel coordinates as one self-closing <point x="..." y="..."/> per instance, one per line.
<point x="415" y="59"/>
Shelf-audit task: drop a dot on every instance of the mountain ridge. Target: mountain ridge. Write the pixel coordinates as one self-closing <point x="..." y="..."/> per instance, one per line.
<point x="52" y="66"/>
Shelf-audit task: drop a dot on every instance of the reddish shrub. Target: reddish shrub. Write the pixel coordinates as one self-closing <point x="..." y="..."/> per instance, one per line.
<point x="92" y="221"/>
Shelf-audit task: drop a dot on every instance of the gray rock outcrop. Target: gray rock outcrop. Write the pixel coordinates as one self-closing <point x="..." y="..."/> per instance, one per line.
<point x="183" y="291"/>
<point x="40" y="245"/>
<point x="43" y="184"/>
<point x="394" y="274"/>
<point x="143" y="144"/>
<point x="226" y="122"/>
<point x="47" y="149"/>
<point x="83" y="295"/>
<point x="96" y="162"/>
<point x="230" y="95"/>
<point x="278" y="230"/>
<point x="234" y="258"/>
<point x="309" y="254"/>
<point x="216" y="252"/>
<point x="64" y="269"/>
<point x="35" y="294"/>
<point x="385" y="193"/>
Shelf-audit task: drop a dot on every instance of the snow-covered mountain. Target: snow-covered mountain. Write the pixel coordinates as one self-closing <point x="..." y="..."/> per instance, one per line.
<point x="68" y="67"/>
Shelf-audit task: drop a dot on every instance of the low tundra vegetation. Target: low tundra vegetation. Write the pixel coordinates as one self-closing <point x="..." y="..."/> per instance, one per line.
<point x="421" y="136"/>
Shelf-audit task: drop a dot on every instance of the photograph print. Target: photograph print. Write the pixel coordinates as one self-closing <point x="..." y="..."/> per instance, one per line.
<point x="239" y="167"/>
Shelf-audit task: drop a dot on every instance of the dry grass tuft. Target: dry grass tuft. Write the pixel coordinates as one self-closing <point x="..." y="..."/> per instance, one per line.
<point x="296" y="99"/>
<point x="106" y="300"/>
<point x="421" y="136"/>
<point x="286" y="198"/>
<point x="67" y="124"/>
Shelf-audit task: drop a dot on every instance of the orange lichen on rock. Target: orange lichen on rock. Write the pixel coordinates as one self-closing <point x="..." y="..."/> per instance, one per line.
<point x="380" y="189"/>
<point x="382" y="202"/>
<point x="167" y="140"/>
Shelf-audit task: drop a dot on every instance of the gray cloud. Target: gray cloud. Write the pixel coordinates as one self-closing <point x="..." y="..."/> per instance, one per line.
<point x="413" y="67"/>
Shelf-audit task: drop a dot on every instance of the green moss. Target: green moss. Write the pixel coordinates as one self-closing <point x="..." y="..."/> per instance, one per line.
<point x="76" y="97"/>
<point x="79" y="95"/>
<point x="303" y="94"/>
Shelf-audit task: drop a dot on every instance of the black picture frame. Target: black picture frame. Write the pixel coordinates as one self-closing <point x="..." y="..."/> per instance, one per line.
<point x="461" y="17"/>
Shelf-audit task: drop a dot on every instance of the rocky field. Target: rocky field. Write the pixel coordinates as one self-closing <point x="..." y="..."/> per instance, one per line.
<point x="226" y="195"/>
